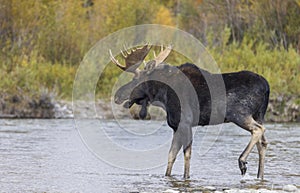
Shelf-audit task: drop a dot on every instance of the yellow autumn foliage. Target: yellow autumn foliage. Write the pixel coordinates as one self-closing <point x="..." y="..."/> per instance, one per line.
<point x="164" y="17"/>
<point x="42" y="42"/>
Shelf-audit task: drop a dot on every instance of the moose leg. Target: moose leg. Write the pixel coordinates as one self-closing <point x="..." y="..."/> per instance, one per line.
<point x="175" y="147"/>
<point x="261" y="147"/>
<point x="187" y="157"/>
<point x="256" y="134"/>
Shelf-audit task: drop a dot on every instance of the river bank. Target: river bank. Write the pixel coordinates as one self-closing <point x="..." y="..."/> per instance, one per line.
<point x="282" y="108"/>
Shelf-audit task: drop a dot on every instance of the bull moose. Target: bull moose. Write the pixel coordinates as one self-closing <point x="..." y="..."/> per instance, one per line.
<point x="246" y="100"/>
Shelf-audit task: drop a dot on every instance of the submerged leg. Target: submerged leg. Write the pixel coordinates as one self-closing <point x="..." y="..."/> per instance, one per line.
<point x="257" y="131"/>
<point x="261" y="147"/>
<point x="175" y="147"/>
<point x="187" y="157"/>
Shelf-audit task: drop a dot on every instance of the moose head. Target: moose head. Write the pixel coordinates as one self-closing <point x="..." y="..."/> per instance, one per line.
<point x="135" y="91"/>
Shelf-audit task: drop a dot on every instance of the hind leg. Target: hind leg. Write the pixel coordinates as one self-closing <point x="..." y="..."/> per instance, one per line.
<point x="261" y="147"/>
<point x="257" y="132"/>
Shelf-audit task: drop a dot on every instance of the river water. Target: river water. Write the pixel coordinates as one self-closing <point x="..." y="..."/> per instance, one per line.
<point x="54" y="156"/>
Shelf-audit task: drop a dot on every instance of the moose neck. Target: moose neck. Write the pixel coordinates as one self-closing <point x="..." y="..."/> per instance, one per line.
<point x="162" y="95"/>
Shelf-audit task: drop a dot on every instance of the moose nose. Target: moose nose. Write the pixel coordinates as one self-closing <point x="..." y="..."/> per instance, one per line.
<point x="116" y="99"/>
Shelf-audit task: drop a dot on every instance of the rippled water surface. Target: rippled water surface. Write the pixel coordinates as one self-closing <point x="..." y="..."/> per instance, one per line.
<point x="50" y="156"/>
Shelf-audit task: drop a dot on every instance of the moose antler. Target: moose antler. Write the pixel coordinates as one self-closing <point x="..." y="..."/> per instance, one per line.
<point x="162" y="56"/>
<point x="133" y="58"/>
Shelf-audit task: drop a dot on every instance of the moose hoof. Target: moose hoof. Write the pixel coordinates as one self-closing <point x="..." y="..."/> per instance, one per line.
<point x="243" y="167"/>
<point x="186" y="177"/>
<point x="168" y="173"/>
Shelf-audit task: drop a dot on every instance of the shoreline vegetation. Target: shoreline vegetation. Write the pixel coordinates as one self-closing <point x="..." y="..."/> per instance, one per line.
<point x="43" y="42"/>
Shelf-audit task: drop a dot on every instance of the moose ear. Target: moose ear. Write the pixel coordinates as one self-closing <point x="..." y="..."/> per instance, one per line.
<point x="150" y="65"/>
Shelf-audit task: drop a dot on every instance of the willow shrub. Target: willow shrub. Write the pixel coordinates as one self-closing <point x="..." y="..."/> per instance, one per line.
<point x="31" y="78"/>
<point x="279" y="66"/>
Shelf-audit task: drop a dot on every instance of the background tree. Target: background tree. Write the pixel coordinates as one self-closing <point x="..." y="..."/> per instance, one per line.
<point x="42" y="42"/>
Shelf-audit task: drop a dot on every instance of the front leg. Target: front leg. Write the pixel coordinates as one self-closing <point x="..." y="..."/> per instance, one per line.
<point x="175" y="147"/>
<point x="187" y="158"/>
<point x="183" y="136"/>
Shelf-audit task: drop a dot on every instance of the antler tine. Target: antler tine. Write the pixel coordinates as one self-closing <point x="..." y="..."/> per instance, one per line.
<point x="115" y="61"/>
<point x="154" y="54"/>
<point x="124" y="54"/>
<point x="124" y="46"/>
<point x="127" y="50"/>
<point x="162" y="56"/>
<point x="133" y="58"/>
<point x="137" y="56"/>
